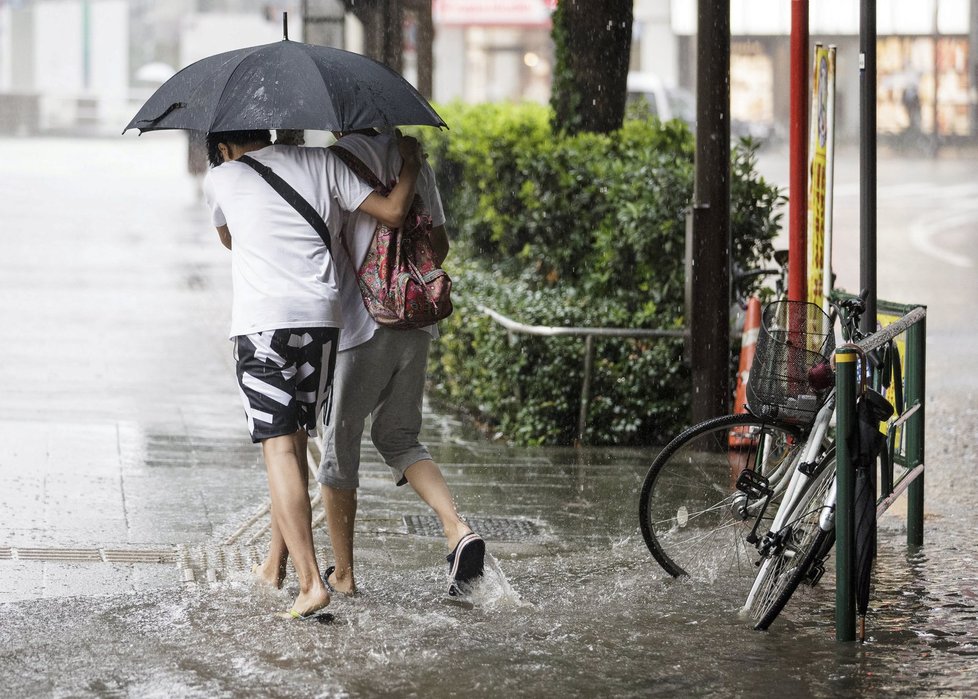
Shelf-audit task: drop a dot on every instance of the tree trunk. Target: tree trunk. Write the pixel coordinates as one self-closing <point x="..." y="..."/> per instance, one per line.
<point x="425" y="38"/>
<point x="382" y="34"/>
<point x="593" y="45"/>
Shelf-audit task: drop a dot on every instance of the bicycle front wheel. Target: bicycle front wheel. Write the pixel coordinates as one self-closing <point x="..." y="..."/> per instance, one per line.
<point x="801" y="545"/>
<point x="694" y="519"/>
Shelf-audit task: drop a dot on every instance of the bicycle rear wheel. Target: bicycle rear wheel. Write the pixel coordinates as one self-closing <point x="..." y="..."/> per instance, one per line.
<point x="803" y="545"/>
<point x="693" y="518"/>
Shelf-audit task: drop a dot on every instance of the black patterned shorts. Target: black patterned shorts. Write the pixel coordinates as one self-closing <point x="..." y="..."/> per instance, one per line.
<point x="284" y="377"/>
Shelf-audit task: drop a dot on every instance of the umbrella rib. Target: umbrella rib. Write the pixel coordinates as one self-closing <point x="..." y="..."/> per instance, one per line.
<point x="217" y="102"/>
<point x="306" y="55"/>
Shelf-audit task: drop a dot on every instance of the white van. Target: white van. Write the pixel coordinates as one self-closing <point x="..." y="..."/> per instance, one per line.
<point x="678" y="103"/>
<point x="663" y="102"/>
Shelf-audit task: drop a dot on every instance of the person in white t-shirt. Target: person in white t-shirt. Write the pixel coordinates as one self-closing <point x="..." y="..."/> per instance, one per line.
<point x="285" y="314"/>
<point x="381" y="372"/>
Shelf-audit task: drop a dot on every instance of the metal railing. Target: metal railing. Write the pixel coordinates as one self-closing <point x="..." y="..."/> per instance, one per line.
<point x="909" y="452"/>
<point x="516" y="328"/>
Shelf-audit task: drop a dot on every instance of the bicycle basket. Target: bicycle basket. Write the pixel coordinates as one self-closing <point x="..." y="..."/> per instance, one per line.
<point x="794" y="338"/>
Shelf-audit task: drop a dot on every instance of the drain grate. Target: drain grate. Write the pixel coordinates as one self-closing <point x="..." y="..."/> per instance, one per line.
<point x="5" y="553"/>
<point x="495" y="528"/>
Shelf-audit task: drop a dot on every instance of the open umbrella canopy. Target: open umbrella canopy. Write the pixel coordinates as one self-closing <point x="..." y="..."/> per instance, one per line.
<point x="284" y="85"/>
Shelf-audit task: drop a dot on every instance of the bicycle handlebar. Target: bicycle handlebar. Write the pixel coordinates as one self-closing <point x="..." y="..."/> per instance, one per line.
<point x="850" y="311"/>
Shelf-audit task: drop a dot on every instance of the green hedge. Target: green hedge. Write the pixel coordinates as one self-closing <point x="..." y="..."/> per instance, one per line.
<point x="583" y="230"/>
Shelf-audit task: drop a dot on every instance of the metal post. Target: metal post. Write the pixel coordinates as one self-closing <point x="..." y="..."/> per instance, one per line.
<point x="867" y="160"/>
<point x="973" y="67"/>
<point x="916" y="341"/>
<point x="709" y="321"/>
<point x="798" y="159"/>
<point x="585" y="388"/>
<point x="845" y="588"/>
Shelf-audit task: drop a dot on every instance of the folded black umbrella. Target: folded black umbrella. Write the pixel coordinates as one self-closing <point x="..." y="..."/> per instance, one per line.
<point x="871" y="409"/>
<point x="285" y="85"/>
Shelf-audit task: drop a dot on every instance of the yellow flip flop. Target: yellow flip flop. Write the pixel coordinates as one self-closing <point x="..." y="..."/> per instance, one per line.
<point x="320" y="615"/>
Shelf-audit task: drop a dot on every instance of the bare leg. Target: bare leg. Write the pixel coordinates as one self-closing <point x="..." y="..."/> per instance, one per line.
<point x="341" y="512"/>
<point x="287" y="485"/>
<point x="426" y="479"/>
<point x="272" y="569"/>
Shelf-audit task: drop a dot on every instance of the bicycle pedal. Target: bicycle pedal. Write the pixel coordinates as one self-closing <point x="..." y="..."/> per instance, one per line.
<point x="753" y="484"/>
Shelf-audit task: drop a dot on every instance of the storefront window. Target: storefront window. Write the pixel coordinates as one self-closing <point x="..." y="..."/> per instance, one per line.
<point x="906" y="85"/>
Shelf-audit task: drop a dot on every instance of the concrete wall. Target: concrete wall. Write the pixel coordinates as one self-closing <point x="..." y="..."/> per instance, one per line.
<point x="204" y="34"/>
<point x="658" y="46"/>
<point x="71" y="55"/>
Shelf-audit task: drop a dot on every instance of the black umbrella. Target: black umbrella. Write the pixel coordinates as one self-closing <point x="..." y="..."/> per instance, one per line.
<point x="871" y="409"/>
<point x="285" y="85"/>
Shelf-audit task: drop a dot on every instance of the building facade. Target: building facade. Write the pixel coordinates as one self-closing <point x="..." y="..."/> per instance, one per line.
<point x="71" y="62"/>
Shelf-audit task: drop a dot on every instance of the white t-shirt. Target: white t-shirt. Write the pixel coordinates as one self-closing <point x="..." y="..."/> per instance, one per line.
<point x="282" y="276"/>
<point x="381" y="155"/>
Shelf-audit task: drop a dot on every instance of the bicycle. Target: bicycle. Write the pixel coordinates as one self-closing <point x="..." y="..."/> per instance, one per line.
<point x="803" y="532"/>
<point x="752" y="495"/>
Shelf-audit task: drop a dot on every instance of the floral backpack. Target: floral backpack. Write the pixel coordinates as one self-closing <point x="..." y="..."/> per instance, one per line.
<point x="400" y="283"/>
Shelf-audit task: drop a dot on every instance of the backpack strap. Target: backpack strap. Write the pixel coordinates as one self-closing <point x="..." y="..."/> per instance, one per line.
<point x="288" y="193"/>
<point x="359" y="167"/>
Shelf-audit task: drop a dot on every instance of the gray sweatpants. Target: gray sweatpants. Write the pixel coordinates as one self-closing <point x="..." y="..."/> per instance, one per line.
<point x="383" y="378"/>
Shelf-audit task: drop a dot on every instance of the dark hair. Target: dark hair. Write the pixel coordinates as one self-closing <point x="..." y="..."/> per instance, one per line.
<point x="238" y="138"/>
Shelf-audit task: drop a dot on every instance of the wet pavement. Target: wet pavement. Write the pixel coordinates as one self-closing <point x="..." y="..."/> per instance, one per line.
<point x="132" y="502"/>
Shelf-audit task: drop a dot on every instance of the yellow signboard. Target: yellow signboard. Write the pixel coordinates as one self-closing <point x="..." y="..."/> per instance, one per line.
<point x="821" y="146"/>
<point x="900" y="342"/>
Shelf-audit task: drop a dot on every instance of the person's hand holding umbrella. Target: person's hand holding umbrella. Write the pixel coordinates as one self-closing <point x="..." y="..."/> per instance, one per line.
<point x="410" y="148"/>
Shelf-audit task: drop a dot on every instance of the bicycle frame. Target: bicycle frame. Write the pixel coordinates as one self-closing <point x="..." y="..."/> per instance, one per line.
<point x="796" y="485"/>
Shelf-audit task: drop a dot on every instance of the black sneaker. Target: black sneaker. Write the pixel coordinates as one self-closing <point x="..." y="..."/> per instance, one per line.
<point x="465" y="563"/>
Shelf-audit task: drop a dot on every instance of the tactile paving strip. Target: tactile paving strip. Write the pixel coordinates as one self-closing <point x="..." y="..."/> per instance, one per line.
<point x="168" y="555"/>
<point x="72" y="555"/>
<point x="495" y="528"/>
<point x="139" y="556"/>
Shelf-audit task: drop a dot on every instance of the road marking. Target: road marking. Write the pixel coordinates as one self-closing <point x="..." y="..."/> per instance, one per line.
<point x="924" y="231"/>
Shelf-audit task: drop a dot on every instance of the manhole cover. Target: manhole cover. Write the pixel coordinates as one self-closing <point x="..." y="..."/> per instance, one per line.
<point x="494" y="528"/>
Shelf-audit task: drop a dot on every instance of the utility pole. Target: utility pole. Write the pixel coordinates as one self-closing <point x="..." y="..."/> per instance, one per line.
<point x="798" y="147"/>
<point x="973" y="67"/>
<point x="709" y="239"/>
<point x="867" y="161"/>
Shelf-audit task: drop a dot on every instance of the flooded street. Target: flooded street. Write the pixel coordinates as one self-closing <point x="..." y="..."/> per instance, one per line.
<point x="581" y="611"/>
<point x="131" y="500"/>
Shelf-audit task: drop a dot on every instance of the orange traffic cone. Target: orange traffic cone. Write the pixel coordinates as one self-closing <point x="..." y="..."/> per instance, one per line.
<point x="752" y="326"/>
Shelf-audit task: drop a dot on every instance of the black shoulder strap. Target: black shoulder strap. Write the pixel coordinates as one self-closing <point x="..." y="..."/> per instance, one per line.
<point x="292" y="197"/>
<point x="359" y="167"/>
